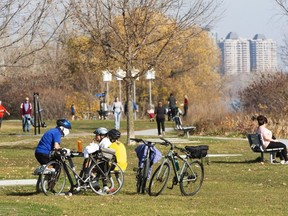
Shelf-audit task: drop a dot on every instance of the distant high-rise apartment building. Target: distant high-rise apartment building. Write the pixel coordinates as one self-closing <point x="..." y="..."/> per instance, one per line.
<point x="235" y="54"/>
<point x="241" y="55"/>
<point x="263" y="54"/>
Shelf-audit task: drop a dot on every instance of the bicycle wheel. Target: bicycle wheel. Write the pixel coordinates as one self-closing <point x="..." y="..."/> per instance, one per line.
<point x="145" y="172"/>
<point x="139" y="180"/>
<point x="53" y="178"/>
<point x="159" y="179"/>
<point x="38" y="184"/>
<point x="106" y="178"/>
<point x="192" y="178"/>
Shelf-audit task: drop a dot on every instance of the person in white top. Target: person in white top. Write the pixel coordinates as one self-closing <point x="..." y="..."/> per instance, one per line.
<point x="100" y="141"/>
<point x="269" y="141"/>
<point x="117" y="109"/>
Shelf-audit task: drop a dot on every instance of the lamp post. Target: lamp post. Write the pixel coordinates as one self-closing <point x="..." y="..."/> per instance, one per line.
<point x="107" y="77"/>
<point x="150" y="75"/>
<point x="134" y="73"/>
<point x="120" y="74"/>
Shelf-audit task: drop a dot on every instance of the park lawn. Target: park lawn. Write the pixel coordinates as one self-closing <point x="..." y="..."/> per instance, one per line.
<point x="232" y="185"/>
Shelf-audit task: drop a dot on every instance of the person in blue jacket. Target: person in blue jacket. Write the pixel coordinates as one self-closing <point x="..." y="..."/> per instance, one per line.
<point x="51" y="140"/>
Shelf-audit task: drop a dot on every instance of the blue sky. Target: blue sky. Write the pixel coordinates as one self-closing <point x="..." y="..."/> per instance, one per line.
<point x="249" y="17"/>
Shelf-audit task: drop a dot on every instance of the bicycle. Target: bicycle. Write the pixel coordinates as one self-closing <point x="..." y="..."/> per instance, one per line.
<point x="189" y="176"/>
<point x="103" y="169"/>
<point x="145" y="163"/>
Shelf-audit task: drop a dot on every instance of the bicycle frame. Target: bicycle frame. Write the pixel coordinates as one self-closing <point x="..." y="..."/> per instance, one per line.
<point x="189" y="176"/>
<point x="170" y="158"/>
<point x="144" y="165"/>
<point x="70" y="167"/>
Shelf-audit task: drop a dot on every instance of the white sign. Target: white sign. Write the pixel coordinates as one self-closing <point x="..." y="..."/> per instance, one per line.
<point x="150" y="74"/>
<point x="107" y="76"/>
<point x="134" y="73"/>
<point x="120" y="74"/>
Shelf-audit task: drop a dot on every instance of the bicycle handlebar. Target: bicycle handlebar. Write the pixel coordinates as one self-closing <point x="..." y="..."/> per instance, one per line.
<point x="172" y="146"/>
<point x="147" y="142"/>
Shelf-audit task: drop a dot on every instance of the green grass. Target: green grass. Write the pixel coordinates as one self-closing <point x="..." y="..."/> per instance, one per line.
<point x="232" y="185"/>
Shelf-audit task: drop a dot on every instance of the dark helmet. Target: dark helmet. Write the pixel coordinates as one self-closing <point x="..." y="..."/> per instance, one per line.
<point x="114" y="134"/>
<point x="64" y="123"/>
<point x="101" y="131"/>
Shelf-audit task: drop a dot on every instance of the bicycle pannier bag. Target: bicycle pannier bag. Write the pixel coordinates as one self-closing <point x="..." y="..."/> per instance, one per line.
<point x="198" y="151"/>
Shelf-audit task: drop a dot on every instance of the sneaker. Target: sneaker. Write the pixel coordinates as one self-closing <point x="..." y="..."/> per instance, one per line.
<point x="49" y="170"/>
<point x="112" y="190"/>
<point x="106" y="189"/>
<point x="283" y="162"/>
<point x="38" y="170"/>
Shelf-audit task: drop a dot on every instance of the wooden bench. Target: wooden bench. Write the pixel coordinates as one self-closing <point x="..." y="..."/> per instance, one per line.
<point x="256" y="145"/>
<point x="179" y="127"/>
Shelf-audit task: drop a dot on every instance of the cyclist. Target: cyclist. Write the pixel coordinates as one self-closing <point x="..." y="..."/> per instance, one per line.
<point x="120" y="150"/>
<point x="101" y="140"/>
<point x="51" y="140"/>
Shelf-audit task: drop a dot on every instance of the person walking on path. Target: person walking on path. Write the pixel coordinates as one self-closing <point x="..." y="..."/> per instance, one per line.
<point x="73" y="112"/>
<point x="2" y="112"/>
<point x="26" y="111"/>
<point x="117" y="109"/>
<point x="160" y="112"/>
<point x="186" y="102"/>
<point x="172" y="106"/>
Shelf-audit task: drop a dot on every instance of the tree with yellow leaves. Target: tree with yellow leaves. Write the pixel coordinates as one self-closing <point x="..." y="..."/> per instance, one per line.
<point x="137" y="34"/>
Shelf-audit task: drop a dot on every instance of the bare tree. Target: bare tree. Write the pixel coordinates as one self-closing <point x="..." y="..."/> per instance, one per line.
<point x="26" y="26"/>
<point x="283" y="6"/>
<point x="141" y="34"/>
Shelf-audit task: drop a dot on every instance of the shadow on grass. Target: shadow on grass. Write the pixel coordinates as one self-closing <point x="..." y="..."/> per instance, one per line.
<point x="257" y="160"/>
<point x="26" y="193"/>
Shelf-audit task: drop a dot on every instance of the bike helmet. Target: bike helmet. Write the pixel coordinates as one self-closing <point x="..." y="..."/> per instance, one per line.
<point x="64" y="123"/>
<point x="114" y="134"/>
<point x="101" y="131"/>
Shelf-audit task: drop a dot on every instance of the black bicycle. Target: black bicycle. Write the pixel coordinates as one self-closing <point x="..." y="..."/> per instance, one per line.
<point x="144" y="153"/>
<point x="105" y="177"/>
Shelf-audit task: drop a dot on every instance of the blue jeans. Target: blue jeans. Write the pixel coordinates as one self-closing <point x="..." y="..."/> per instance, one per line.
<point x="26" y="122"/>
<point x="117" y="118"/>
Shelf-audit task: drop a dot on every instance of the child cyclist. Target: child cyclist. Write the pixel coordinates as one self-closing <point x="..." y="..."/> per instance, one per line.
<point x="100" y="141"/>
<point x="120" y="150"/>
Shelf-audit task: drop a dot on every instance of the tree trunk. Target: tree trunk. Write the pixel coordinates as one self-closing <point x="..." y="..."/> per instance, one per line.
<point x="130" y="120"/>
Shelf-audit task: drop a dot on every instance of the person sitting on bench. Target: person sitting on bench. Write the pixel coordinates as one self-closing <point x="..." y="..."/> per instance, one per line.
<point x="268" y="141"/>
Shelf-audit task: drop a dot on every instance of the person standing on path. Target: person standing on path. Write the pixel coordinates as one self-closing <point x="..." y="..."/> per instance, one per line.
<point x="172" y="106"/>
<point x="2" y="112"/>
<point x="26" y="111"/>
<point x="73" y="111"/>
<point x="186" y="102"/>
<point x="117" y="109"/>
<point x="160" y="112"/>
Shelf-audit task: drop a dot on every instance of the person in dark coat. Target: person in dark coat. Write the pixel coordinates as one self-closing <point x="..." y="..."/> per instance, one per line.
<point x="160" y="112"/>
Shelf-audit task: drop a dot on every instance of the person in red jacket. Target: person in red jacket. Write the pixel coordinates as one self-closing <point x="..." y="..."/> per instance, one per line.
<point x="26" y="111"/>
<point x="2" y="112"/>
